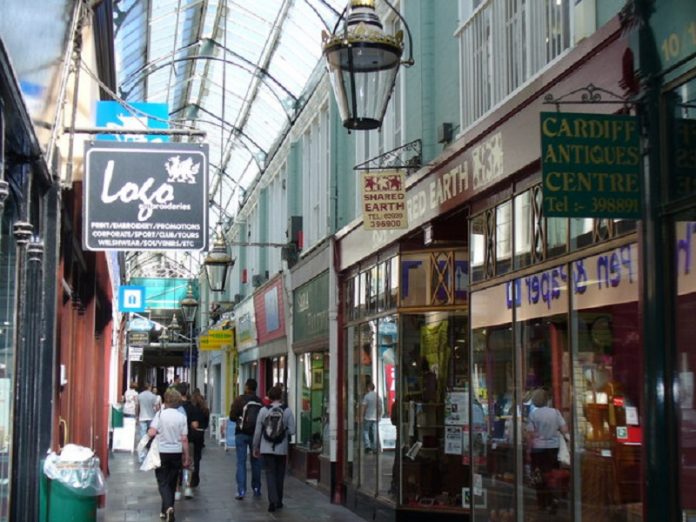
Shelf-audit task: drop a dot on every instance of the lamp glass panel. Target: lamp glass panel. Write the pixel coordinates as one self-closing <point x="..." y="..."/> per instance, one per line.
<point x="371" y="86"/>
<point x="217" y="276"/>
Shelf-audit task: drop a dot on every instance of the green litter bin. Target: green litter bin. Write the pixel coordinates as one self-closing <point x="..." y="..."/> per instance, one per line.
<point x="116" y="417"/>
<point x="61" y="504"/>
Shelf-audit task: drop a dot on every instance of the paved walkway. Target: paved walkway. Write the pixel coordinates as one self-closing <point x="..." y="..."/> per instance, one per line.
<point x="132" y="495"/>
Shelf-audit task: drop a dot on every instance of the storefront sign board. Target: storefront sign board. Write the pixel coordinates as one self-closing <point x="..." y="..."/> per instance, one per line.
<point x="270" y="311"/>
<point x="145" y="196"/>
<point x="384" y="199"/>
<point x="246" y="325"/>
<point x="673" y="23"/>
<point x="311" y="309"/>
<point x="590" y="165"/>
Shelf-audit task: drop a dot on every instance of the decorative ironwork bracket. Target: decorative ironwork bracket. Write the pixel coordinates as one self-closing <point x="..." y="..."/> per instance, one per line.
<point x="407" y="157"/>
<point x="589" y="95"/>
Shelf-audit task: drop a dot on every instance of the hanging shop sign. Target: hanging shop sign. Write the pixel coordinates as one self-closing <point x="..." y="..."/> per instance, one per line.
<point x="164" y="293"/>
<point x="138" y="116"/>
<point x="145" y="196"/>
<point x="131" y="298"/>
<point x="204" y="343"/>
<point x="384" y="199"/>
<point x="218" y="338"/>
<point x="590" y="165"/>
<point x="138" y="338"/>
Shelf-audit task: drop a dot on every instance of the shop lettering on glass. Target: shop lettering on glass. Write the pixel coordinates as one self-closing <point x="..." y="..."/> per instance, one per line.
<point x="588" y="276"/>
<point x="685" y="243"/>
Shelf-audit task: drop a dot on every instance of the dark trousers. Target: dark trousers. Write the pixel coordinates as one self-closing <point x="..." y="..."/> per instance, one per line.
<point x="197" y="454"/>
<point x="167" y="475"/>
<point x="275" y="476"/>
<point x="544" y="460"/>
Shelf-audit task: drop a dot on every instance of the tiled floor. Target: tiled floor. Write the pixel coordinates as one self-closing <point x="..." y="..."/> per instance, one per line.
<point x="132" y="495"/>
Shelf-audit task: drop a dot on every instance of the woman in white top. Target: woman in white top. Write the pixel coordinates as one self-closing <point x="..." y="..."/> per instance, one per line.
<point x="171" y="429"/>
<point x="545" y="426"/>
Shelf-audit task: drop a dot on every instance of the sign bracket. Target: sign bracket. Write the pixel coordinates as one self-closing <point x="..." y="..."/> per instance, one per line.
<point x="589" y="95"/>
<point x="397" y="158"/>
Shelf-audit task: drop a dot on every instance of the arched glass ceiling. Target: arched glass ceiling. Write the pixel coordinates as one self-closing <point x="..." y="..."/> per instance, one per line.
<point x="257" y="56"/>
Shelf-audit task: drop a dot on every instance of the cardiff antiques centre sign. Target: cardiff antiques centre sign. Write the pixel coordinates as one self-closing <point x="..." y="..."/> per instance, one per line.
<point x="149" y="196"/>
<point x="590" y="165"/>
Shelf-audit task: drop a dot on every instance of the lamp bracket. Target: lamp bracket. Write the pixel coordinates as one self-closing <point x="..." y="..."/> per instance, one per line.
<point x="406" y="156"/>
<point x="589" y="95"/>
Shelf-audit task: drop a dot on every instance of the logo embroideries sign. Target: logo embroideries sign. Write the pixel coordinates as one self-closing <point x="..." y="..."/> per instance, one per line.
<point x="145" y="196"/>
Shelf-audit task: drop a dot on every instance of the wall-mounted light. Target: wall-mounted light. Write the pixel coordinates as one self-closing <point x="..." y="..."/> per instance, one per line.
<point x="363" y="61"/>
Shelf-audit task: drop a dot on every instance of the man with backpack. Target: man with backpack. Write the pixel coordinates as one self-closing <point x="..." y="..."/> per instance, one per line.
<point x="274" y="426"/>
<point x="244" y="412"/>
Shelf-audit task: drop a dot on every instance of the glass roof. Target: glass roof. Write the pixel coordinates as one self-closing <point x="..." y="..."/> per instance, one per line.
<point x="237" y="73"/>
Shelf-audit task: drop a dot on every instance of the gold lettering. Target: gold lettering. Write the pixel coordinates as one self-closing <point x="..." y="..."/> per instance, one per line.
<point x="550" y="156"/>
<point x="548" y="120"/>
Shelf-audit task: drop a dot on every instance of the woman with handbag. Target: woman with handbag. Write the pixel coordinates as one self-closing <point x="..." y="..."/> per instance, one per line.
<point x="543" y="426"/>
<point x="171" y="429"/>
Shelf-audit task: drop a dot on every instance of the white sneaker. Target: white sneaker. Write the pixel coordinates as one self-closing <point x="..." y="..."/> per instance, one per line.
<point x="188" y="492"/>
<point x="177" y="495"/>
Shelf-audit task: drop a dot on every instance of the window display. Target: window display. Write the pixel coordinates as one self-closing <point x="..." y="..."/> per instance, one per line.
<point x="686" y="359"/>
<point x="433" y="410"/>
<point x="606" y="360"/>
<point x="313" y="415"/>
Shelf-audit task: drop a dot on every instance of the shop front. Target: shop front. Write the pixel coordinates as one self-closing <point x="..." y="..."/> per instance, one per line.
<point x="269" y="307"/>
<point x="679" y="196"/>
<point x="311" y="453"/>
<point x="246" y="340"/>
<point x="484" y="311"/>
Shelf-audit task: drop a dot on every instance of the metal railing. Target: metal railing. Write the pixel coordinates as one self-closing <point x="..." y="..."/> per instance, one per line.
<point x="503" y="44"/>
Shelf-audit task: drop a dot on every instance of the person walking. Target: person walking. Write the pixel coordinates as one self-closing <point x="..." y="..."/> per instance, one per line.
<point x="148" y="405"/>
<point x="198" y="415"/>
<point x="130" y="401"/>
<point x="543" y="427"/>
<point x="274" y="427"/>
<point x="371" y="412"/>
<point x="244" y="412"/>
<point x="170" y="428"/>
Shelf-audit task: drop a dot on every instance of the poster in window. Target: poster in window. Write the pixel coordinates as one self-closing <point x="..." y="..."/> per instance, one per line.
<point x="453" y="440"/>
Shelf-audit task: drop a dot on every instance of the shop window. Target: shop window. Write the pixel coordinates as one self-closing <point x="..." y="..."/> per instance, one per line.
<point x="523" y="229"/>
<point x="556" y="236"/>
<point x="541" y="332"/>
<point x="493" y="454"/>
<point x="685" y="307"/>
<point x="503" y="238"/>
<point x="681" y="132"/>
<point x="477" y="245"/>
<point x="432" y="411"/>
<point x="607" y="358"/>
<point x="392" y="280"/>
<point x="361" y="291"/>
<point x="371" y="391"/>
<point x="313" y="418"/>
